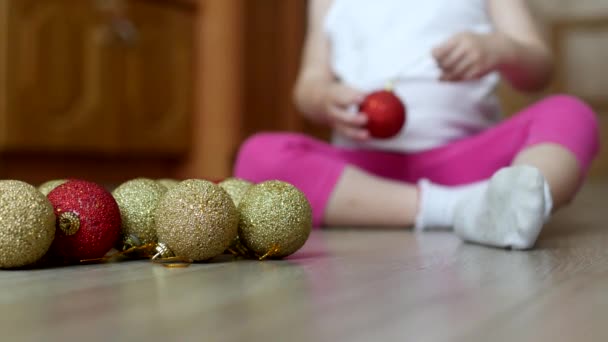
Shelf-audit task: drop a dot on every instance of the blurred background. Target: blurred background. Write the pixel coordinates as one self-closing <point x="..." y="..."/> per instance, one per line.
<point x="109" y="90"/>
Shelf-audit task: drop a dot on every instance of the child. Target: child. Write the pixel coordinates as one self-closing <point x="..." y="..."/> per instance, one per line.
<point x="454" y="165"/>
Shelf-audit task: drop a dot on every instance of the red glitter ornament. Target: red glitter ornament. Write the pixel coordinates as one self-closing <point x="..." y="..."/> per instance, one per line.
<point x="385" y="114"/>
<point x="88" y="220"/>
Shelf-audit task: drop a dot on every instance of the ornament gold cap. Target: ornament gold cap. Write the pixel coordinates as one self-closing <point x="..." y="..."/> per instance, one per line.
<point x="167" y="258"/>
<point x="69" y="223"/>
<point x="390" y="86"/>
<point x="162" y="251"/>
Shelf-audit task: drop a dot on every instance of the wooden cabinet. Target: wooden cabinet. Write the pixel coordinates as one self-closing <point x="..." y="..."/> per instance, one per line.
<point x="158" y="79"/>
<point x="59" y="71"/>
<point x="103" y="77"/>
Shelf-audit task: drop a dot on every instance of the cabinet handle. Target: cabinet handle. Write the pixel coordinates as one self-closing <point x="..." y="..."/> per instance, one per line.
<point x="115" y="12"/>
<point x="125" y="30"/>
<point x="109" y="6"/>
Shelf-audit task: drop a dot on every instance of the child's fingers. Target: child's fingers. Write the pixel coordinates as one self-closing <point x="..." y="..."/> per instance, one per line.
<point x="346" y="96"/>
<point x="451" y="77"/>
<point x="349" y="124"/>
<point x="473" y="74"/>
<point x="339" y="116"/>
<point x="461" y="68"/>
<point x="447" y="77"/>
<point x="453" y="59"/>
<point x="440" y="52"/>
<point x="359" y="134"/>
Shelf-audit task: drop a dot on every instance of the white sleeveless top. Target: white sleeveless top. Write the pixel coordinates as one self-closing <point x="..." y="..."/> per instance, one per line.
<point x="374" y="42"/>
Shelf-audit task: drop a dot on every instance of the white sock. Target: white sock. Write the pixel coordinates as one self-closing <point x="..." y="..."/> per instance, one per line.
<point x="510" y="212"/>
<point x="437" y="203"/>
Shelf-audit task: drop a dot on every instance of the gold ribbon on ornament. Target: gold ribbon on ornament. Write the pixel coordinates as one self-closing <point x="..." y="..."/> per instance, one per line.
<point x="239" y="250"/>
<point x="158" y="253"/>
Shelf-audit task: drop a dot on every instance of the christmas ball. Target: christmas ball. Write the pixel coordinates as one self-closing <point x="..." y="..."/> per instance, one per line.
<point x="27" y="224"/>
<point x="197" y="220"/>
<point x="137" y="200"/>
<point x="385" y="114"/>
<point x="47" y="187"/>
<point x="236" y="188"/>
<point x="88" y="220"/>
<point x="168" y="183"/>
<point x="275" y="219"/>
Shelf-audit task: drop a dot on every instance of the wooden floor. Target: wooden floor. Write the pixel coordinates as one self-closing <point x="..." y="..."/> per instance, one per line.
<point x="343" y="286"/>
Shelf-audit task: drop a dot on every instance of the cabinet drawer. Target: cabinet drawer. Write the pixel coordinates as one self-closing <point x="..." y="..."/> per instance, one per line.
<point x="159" y="77"/>
<point x="61" y="90"/>
<point x="81" y="77"/>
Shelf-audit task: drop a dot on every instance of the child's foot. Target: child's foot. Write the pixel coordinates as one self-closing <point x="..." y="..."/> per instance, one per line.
<point x="438" y="203"/>
<point x="509" y="213"/>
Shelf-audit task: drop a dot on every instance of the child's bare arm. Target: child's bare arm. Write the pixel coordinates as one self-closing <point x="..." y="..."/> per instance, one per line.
<point x="527" y="62"/>
<point x="516" y="49"/>
<point x="315" y="73"/>
<point x="317" y="93"/>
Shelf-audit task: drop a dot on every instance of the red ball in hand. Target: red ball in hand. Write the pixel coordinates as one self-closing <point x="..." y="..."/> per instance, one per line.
<point x="88" y="220"/>
<point x="385" y="114"/>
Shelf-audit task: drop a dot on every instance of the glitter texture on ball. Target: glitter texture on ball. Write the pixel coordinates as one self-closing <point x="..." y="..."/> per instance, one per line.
<point x="197" y="220"/>
<point x="137" y="200"/>
<point x="386" y="114"/>
<point x="275" y="219"/>
<point x="27" y="224"/>
<point x="49" y="186"/>
<point x="168" y="183"/>
<point x="236" y="188"/>
<point x="88" y="220"/>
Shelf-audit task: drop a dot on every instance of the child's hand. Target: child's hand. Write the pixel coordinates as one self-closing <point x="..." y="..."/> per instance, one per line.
<point x="467" y="56"/>
<point x="337" y="102"/>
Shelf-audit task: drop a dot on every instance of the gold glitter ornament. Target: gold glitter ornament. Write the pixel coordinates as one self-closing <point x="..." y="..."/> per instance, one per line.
<point x="275" y="219"/>
<point x="236" y="188"/>
<point x="27" y="224"/>
<point x="49" y="186"/>
<point x="197" y="220"/>
<point x="137" y="200"/>
<point x="168" y="183"/>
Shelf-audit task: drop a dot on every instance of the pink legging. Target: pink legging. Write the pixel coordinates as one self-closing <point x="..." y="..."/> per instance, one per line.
<point x="315" y="166"/>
